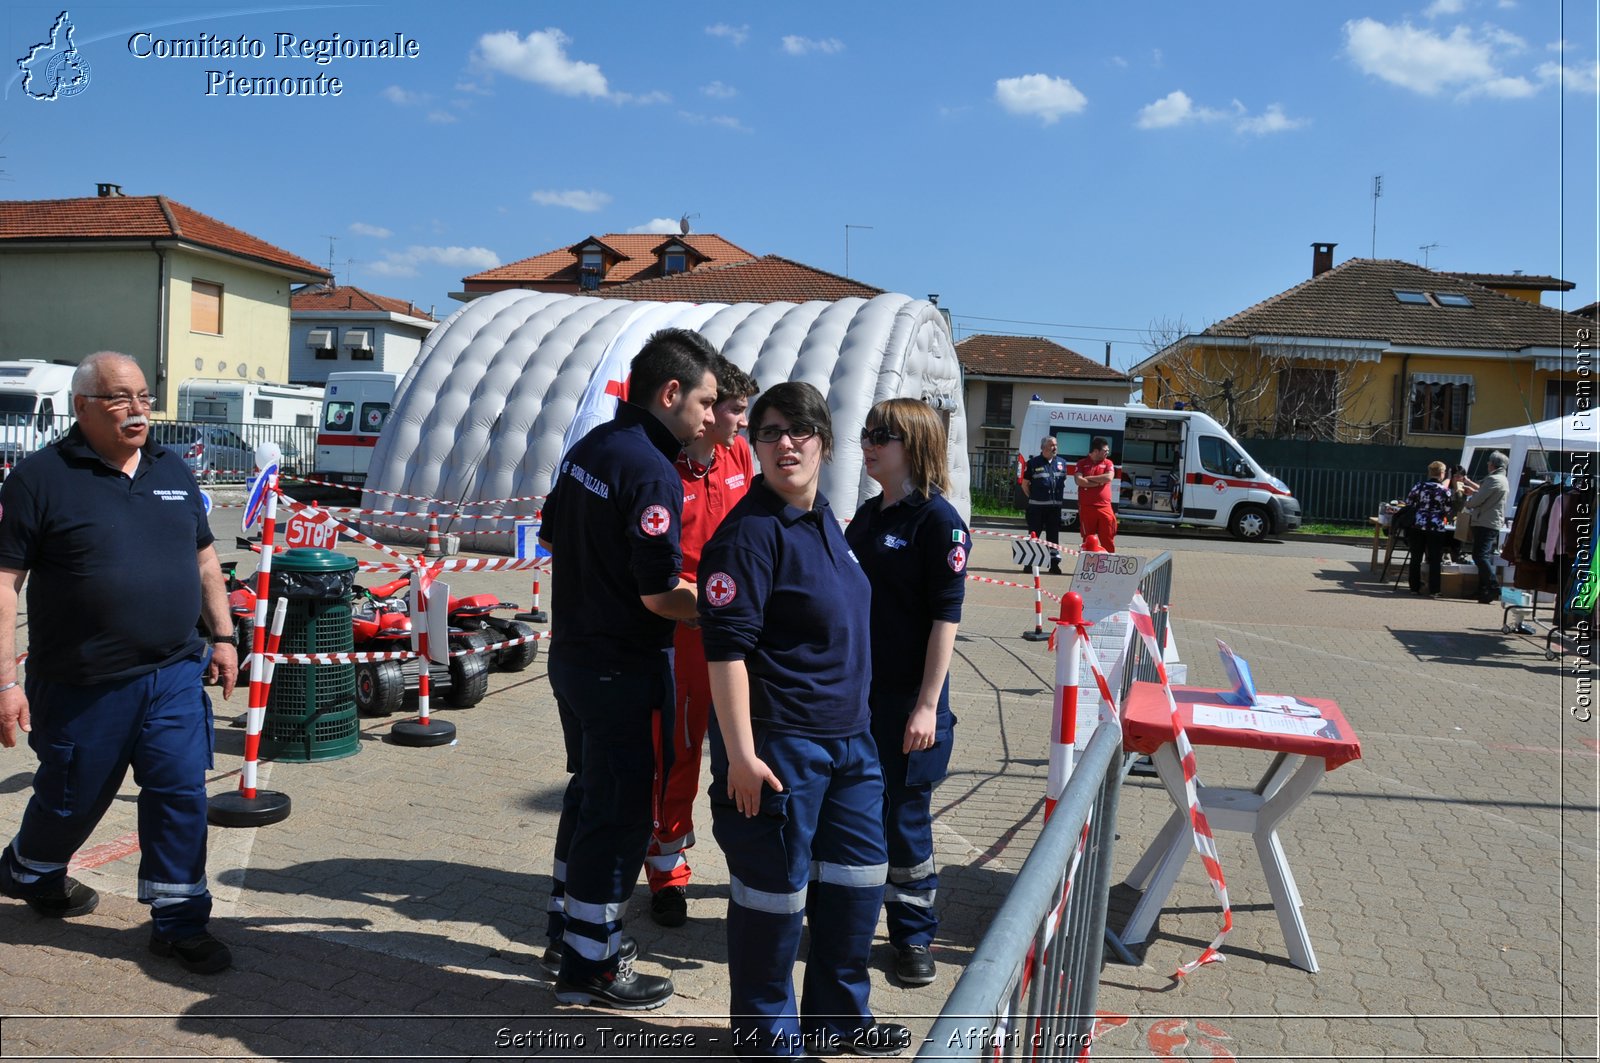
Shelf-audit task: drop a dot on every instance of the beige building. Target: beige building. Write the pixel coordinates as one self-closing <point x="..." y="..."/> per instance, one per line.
<point x="185" y="294"/>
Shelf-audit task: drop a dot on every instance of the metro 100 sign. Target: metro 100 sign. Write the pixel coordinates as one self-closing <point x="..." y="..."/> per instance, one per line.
<point x="302" y="531"/>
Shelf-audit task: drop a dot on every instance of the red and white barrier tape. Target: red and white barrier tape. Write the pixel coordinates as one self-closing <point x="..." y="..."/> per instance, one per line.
<point x="415" y="498"/>
<point x="322" y="516"/>
<point x="1205" y="843"/>
<point x="462" y="564"/>
<point x="370" y="656"/>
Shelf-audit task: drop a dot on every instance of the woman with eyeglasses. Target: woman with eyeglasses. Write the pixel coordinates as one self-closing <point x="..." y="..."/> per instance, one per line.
<point x="796" y="791"/>
<point x="913" y="546"/>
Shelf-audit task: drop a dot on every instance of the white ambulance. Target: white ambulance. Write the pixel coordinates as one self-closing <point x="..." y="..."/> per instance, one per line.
<point x="355" y="407"/>
<point x="1176" y="466"/>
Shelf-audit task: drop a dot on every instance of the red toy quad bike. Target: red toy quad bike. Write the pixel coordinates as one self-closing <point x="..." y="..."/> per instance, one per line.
<point x="381" y="618"/>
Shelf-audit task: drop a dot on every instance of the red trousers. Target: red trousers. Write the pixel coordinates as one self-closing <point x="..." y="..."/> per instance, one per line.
<point x="666" y="861"/>
<point x="1101" y="522"/>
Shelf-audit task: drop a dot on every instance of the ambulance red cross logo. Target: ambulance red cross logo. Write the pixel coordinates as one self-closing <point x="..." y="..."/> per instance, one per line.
<point x="957" y="559"/>
<point x="1220" y="485"/>
<point x="655" y="520"/>
<point x="720" y="589"/>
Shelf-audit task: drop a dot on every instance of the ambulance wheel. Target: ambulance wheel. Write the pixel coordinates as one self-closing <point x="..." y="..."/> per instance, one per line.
<point x="469" y="674"/>
<point x="1249" y="523"/>
<point x="515" y="658"/>
<point x="380" y="688"/>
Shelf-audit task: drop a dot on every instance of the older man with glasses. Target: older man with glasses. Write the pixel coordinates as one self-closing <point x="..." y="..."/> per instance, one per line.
<point x="108" y="524"/>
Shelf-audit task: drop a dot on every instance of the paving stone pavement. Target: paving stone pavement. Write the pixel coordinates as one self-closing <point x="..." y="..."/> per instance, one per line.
<point x="1449" y="876"/>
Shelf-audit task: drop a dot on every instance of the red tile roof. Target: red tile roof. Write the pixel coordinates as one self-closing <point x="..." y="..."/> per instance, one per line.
<point x="1356" y="300"/>
<point x="768" y="279"/>
<point x="1029" y="356"/>
<point x="561" y="265"/>
<point x="103" y="218"/>
<point x="1517" y="280"/>
<point x="348" y="297"/>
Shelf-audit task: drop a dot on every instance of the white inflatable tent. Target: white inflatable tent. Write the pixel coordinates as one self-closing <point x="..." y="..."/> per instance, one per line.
<point x="507" y="383"/>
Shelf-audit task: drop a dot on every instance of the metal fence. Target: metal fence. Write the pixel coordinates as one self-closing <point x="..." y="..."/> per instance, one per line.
<point x="994" y="477"/>
<point x="216" y="450"/>
<point x="1347" y="496"/>
<point x="1030" y="990"/>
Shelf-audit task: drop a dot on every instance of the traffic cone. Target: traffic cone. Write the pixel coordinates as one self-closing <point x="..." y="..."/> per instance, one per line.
<point x="433" y="548"/>
<point x="1091" y="544"/>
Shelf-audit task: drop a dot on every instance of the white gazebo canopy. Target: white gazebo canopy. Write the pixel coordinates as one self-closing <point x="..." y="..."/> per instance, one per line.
<point x="1573" y="433"/>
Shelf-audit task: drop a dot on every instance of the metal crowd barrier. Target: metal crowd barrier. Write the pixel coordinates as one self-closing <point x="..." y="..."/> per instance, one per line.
<point x="1030" y="990"/>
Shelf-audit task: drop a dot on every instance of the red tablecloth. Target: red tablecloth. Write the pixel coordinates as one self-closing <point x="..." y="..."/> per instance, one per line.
<point x="1148" y="726"/>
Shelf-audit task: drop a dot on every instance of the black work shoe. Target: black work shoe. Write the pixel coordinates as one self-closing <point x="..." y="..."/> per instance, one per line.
<point x="669" y="906"/>
<point x="879" y="1039"/>
<point x="624" y="989"/>
<point x="66" y="899"/>
<point x="200" y="954"/>
<point x="913" y="965"/>
<point x="627" y="952"/>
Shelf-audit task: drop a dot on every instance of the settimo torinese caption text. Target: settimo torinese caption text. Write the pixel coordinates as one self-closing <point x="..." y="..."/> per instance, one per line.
<point x="313" y="52"/>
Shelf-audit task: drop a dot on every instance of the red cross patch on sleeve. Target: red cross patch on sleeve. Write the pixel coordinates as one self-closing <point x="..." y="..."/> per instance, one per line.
<point x="655" y="520"/>
<point x="720" y="589"/>
<point x="957" y="559"/>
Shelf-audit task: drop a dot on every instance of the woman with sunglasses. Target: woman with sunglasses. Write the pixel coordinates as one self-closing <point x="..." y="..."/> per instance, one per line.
<point x="796" y="788"/>
<point x="913" y="546"/>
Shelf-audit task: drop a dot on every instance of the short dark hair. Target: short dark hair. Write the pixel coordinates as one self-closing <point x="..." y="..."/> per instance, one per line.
<point x="1099" y="441"/>
<point x="670" y="354"/>
<point x="733" y="382"/>
<point x="801" y="404"/>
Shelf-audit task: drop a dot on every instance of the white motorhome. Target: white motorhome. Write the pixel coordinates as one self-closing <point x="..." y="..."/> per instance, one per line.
<point x="1177" y="467"/>
<point x="35" y="406"/>
<point x="355" y="407"/>
<point x="241" y="402"/>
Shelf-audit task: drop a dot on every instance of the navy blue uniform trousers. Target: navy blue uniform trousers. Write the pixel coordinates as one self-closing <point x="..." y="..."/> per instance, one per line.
<point x="814" y="854"/>
<point x="608" y="720"/>
<point x="908" y="783"/>
<point x="86" y="737"/>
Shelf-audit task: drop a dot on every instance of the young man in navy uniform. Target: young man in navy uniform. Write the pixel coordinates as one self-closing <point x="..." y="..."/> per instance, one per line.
<point x="103" y="521"/>
<point x="612" y="523"/>
<point x="1044" y="481"/>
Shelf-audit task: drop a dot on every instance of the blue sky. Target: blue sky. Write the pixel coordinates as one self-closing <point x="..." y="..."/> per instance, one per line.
<point x="1074" y="170"/>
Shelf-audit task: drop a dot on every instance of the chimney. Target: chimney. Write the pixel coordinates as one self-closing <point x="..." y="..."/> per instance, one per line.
<point x="108" y="191"/>
<point x="1321" y="258"/>
<point x="1108" y="354"/>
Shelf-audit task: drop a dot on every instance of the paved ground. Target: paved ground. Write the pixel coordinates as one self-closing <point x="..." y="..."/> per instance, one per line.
<point x="1449" y="876"/>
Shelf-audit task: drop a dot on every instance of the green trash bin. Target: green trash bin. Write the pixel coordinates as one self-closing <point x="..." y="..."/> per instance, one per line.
<point x="311" y="711"/>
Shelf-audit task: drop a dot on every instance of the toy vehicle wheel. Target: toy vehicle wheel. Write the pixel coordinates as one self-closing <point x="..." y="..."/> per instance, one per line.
<point x="380" y="688"/>
<point x="469" y="673"/>
<point x="244" y="634"/>
<point x="1249" y="523"/>
<point x="514" y="658"/>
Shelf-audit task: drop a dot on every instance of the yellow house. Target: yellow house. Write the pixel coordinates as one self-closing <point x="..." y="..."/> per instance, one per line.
<point x="1379" y="351"/>
<point x="184" y="293"/>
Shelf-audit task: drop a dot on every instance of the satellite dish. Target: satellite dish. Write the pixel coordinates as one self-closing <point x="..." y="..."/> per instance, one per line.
<point x="683" y="223"/>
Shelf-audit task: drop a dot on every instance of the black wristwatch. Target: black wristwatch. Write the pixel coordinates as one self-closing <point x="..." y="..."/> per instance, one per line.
<point x="218" y="639"/>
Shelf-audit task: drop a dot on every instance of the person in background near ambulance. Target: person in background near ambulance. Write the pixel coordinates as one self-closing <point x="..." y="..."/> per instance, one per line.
<point x="716" y="470"/>
<point x="1044" y="481"/>
<point x="1487" y="506"/>
<point x="612" y="522"/>
<point x="1096" y="477"/>
<point x="796" y="790"/>
<point x="102" y="520"/>
<point x="913" y="546"/>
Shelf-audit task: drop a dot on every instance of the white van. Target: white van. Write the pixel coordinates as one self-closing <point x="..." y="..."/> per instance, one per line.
<point x="355" y="407"/>
<point x="1177" y="467"/>
<point x="35" y="406"/>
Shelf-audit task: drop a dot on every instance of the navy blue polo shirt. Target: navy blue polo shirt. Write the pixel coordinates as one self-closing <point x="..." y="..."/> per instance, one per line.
<point x="915" y="555"/>
<point x="1047" y="479"/>
<point x="113" y="580"/>
<point x="781" y="591"/>
<point x="612" y="522"/>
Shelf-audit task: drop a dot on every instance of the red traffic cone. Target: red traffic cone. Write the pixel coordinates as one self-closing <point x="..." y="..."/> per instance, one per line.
<point x="1091" y="544"/>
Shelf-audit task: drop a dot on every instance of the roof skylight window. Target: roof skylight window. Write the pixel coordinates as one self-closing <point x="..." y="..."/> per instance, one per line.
<point x="1413" y="298"/>
<point x="1451" y="299"/>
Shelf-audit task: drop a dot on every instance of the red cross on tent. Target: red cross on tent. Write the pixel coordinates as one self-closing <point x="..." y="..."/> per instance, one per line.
<point x="619" y="388"/>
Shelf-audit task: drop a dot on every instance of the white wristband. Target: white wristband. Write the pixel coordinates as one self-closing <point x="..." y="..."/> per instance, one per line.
<point x="8" y="686"/>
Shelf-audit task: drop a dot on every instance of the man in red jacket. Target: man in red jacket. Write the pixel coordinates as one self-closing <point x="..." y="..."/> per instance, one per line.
<point x="1096" y="478"/>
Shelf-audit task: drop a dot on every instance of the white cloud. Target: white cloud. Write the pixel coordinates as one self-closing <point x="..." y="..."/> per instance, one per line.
<point x="404" y="97"/>
<point x="1444" y="7"/>
<point x="726" y="121"/>
<point x="718" y="91"/>
<point x="1272" y="120"/>
<point x="361" y="228"/>
<point x="1040" y="94"/>
<point x="541" y="57"/>
<point x="737" y="34"/>
<point x="1118" y="61"/>
<point x="807" y="45"/>
<point x="442" y="117"/>
<point x="1584" y="79"/>
<point x="406" y="263"/>
<point x="573" y="199"/>
<point x="1426" y="62"/>
<point x="657" y="225"/>
<point x="1175" y="109"/>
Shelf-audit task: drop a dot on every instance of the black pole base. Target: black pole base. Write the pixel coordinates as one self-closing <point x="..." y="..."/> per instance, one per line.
<point x="234" y="809"/>
<point x="537" y="617"/>
<point x="433" y="732"/>
<point x="1036" y="636"/>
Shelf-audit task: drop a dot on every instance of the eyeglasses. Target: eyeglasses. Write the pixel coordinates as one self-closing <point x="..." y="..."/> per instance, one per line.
<point x="123" y="400"/>
<point x="878" y="437"/>
<point x="797" y="433"/>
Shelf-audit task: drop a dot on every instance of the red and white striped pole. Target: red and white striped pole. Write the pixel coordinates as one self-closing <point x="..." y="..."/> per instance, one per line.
<point x="1064" y="724"/>
<point x="1038" y="634"/>
<point x="424" y="730"/>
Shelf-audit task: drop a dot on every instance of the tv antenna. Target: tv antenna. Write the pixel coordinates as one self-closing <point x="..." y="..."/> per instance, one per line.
<point x="683" y="223"/>
<point x="1377" y="193"/>
<point x="847" y="229"/>
<point x="1426" y="249"/>
<point x="333" y="281"/>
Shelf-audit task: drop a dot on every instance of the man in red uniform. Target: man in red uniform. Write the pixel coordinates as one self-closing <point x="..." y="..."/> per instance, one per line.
<point x="1095" y="477"/>
<point x="716" y="469"/>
